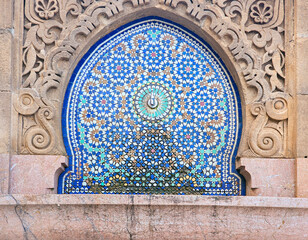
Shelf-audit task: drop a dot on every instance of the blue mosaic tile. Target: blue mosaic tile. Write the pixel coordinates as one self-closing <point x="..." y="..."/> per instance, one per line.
<point x="150" y="109"/>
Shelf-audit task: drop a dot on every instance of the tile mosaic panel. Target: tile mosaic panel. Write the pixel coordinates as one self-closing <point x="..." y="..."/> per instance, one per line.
<point x="150" y="109"/>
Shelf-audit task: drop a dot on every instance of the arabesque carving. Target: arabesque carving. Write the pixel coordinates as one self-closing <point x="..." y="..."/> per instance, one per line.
<point x="256" y="30"/>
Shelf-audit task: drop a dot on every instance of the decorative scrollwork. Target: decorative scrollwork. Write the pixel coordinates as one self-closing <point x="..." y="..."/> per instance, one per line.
<point x="257" y="40"/>
<point x="40" y="139"/>
<point x="27" y="101"/>
<point x="277" y="106"/>
<point x="263" y="140"/>
<point x="53" y="29"/>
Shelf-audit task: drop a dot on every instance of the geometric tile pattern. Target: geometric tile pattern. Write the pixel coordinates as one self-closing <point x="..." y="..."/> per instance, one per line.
<point x="151" y="109"/>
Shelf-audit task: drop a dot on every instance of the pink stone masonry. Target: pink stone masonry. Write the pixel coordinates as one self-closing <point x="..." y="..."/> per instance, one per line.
<point x="268" y="177"/>
<point x="302" y="177"/>
<point x="35" y="174"/>
<point x="152" y="217"/>
<point x="4" y="173"/>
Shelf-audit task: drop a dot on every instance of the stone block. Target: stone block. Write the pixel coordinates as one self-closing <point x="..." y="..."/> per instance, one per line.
<point x="302" y="125"/>
<point x="35" y="174"/>
<point x="4" y="173"/>
<point x="268" y="177"/>
<point x="302" y="65"/>
<point x="5" y="121"/>
<point x="302" y="177"/>
<point x="301" y="16"/>
<point x="5" y="59"/>
<point x="6" y="14"/>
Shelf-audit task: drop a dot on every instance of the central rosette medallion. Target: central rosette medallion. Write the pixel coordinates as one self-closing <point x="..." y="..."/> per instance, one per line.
<point x="153" y="102"/>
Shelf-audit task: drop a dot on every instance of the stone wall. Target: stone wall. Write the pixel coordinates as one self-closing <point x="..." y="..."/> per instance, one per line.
<point x="301" y="71"/>
<point x="259" y="52"/>
<point x="273" y="150"/>
<point x="6" y="75"/>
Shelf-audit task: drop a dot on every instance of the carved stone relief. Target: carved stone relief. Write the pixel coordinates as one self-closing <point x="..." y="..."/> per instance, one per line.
<point x="52" y="29"/>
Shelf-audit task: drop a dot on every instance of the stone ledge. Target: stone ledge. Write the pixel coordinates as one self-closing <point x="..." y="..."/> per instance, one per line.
<point x="153" y="200"/>
<point x="152" y="217"/>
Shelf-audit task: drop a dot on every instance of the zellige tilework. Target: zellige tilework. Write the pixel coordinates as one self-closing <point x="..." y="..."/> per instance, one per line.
<point x="150" y="109"/>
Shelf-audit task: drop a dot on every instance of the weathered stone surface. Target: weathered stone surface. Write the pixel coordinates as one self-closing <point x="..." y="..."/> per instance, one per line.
<point x="5" y="59"/>
<point x="302" y="66"/>
<point x="268" y="177"/>
<point x="152" y="217"/>
<point x="302" y="96"/>
<point x="301" y="15"/>
<point x="5" y="121"/>
<point x="4" y="173"/>
<point x="302" y="177"/>
<point x="6" y="14"/>
<point x="302" y="125"/>
<point x="35" y="174"/>
<point x="6" y="23"/>
<point x="144" y="217"/>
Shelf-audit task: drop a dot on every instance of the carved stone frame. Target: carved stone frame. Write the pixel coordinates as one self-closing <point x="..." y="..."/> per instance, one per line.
<point x="247" y="34"/>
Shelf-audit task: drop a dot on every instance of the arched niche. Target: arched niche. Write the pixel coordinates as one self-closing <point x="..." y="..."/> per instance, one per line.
<point x="53" y="45"/>
<point x="151" y="108"/>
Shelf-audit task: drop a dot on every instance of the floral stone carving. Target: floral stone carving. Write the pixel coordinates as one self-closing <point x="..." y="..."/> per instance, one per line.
<point x="261" y="12"/>
<point x="52" y="29"/>
<point x="46" y="9"/>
